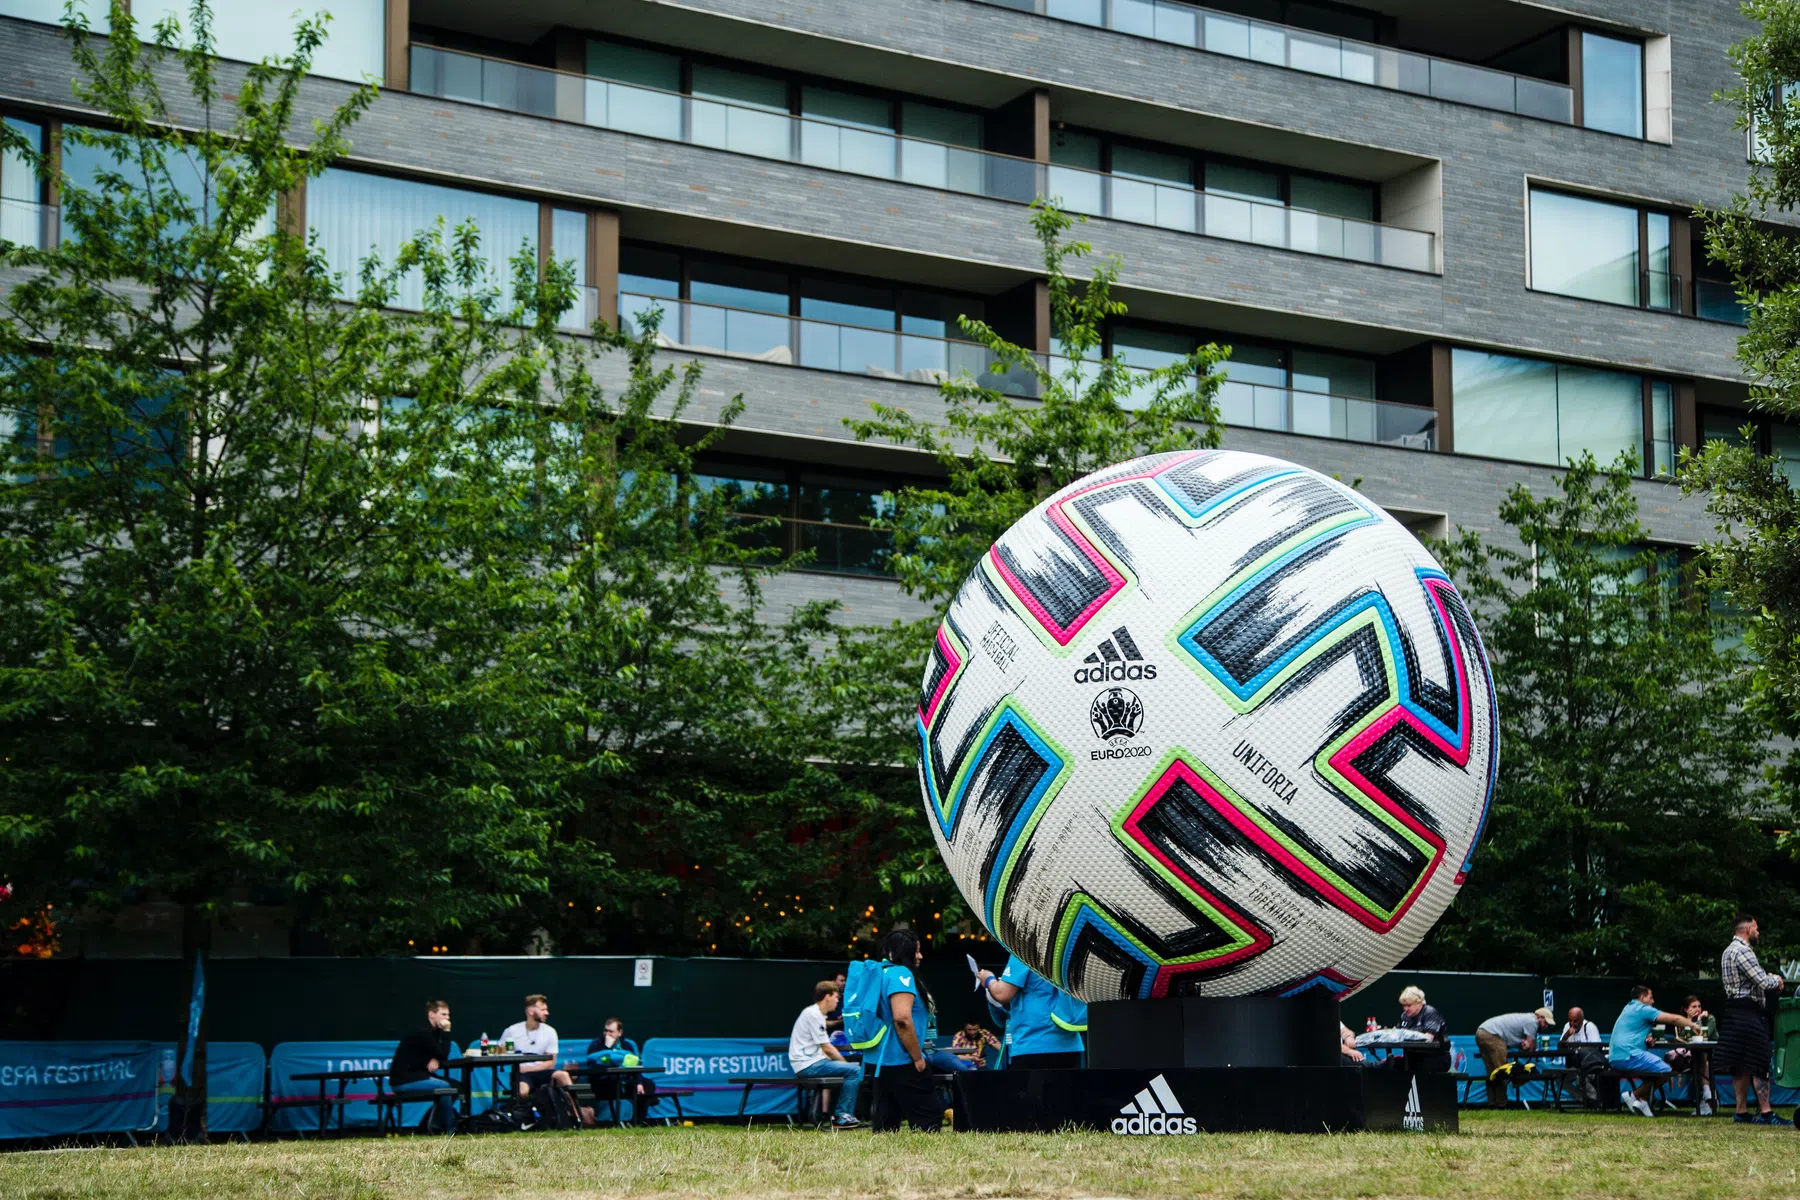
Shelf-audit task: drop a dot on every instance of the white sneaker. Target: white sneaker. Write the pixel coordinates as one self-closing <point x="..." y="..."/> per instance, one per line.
<point x="1706" y="1110"/>
<point x="1640" y="1107"/>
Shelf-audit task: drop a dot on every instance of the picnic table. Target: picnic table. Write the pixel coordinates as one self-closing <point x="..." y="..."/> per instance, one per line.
<point x="326" y="1103"/>
<point x="468" y="1064"/>
<point x="618" y="1076"/>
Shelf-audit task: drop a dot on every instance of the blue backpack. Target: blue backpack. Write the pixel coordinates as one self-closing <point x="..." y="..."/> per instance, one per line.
<point x="865" y="1022"/>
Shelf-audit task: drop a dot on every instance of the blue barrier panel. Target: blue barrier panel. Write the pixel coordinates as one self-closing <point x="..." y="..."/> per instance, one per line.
<point x="704" y="1064"/>
<point x="302" y="1058"/>
<point x="165" y="1083"/>
<point x="234" y="1087"/>
<point x="57" y="1089"/>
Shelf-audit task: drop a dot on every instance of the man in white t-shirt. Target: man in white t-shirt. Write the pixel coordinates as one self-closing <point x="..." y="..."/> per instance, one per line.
<point x="534" y="1036"/>
<point x="812" y="1055"/>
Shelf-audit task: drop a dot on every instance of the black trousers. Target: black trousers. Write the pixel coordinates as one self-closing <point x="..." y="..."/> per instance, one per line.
<point x="903" y="1093"/>
<point x="1062" y="1059"/>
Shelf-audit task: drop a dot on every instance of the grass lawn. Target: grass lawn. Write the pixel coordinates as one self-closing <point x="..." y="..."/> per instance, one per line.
<point x="1512" y="1154"/>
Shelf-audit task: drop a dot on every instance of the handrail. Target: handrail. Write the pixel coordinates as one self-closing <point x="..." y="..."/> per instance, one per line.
<point x="1200" y="28"/>
<point x="775" y="134"/>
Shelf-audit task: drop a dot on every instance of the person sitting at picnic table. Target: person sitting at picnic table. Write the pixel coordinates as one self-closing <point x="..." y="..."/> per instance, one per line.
<point x="613" y="1049"/>
<point x="420" y="1055"/>
<point x="1417" y="1015"/>
<point x="812" y="1056"/>
<point x="534" y="1035"/>
<point x="1347" y="1050"/>
<point x="1496" y="1038"/>
<point x="1626" y="1053"/>
<point x="973" y="1041"/>
<point x="1696" y="1060"/>
<point x="1584" y="1055"/>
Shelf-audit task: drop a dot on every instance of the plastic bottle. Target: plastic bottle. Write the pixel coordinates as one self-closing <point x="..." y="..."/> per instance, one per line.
<point x="484" y="1044"/>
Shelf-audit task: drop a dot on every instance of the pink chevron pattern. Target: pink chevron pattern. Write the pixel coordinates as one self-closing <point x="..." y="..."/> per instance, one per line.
<point x="952" y="664"/>
<point x="1115" y="582"/>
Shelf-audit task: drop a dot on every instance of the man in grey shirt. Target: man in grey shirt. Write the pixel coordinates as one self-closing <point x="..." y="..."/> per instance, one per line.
<point x="1496" y="1039"/>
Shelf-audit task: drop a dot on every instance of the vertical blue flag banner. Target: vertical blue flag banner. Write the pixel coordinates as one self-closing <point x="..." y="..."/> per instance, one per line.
<point x="58" y="1089"/>
<point x="196" y="1005"/>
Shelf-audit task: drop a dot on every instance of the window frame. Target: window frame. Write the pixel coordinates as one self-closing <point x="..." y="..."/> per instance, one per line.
<point x="1643" y="211"/>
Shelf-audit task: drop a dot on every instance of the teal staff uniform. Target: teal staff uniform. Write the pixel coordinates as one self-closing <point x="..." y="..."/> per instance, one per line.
<point x="1031" y="1025"/>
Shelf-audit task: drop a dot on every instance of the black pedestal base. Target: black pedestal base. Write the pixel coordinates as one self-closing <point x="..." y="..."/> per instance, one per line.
<point x="1214" y="1031"/>
<point x="1181" y="1101"/>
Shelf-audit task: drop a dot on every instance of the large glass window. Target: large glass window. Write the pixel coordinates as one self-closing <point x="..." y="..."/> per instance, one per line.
<point x="1533" y="411"/>
<point x="355" y="38"/>
<point x="1600" y="250"/>
<point x="1582" y="247"/>
<point x="1778" y="439"/>
<point x="83" y="165"/>
<point x="357" y="215"/>
<point x="21" y="214"/>
<point x="1612" y="84"/>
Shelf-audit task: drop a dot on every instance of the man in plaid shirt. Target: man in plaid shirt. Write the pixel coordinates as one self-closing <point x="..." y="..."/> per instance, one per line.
<point x="1745" y="1045"/>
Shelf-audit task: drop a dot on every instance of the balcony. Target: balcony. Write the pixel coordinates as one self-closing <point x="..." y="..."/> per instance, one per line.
<point x="1315" y="53"/>
<point x="909" y="358"/>
<point x="1316" y="414"/>
<point x="768" y="133"/>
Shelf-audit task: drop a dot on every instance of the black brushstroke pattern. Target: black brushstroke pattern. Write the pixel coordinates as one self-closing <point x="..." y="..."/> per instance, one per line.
<point x="1303" y="502"/>
<point x="1002" y="781"/>
<point x="1242" y="638"/>
<point x="1067" y="585"/>
<point x="948" y="765"/>
<point x="1200" y="490"/>
<point x="1016" y="932"/>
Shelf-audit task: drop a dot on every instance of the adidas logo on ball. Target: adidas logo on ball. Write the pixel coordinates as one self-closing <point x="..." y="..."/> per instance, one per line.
<point x="1115" y="660"/>
<point x="1153" y="1111"/>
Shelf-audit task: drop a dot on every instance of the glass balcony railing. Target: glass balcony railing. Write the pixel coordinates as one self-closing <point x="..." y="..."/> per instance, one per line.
<point x="798" y="341"/>
<point x="1716" y="300"/>
<point x="30" y="224"/>
<point x="1317" y="53"/>
<point x="1346" y="418"/>
<point x="770" y="133"/>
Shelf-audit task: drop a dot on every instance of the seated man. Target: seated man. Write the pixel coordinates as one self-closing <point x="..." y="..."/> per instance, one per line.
<point x="974" y="1042"/>
<point x="812" y="1056"/>
<point x="1416" y="1014"/>
<point x="1626" y="1051"/>
<point x="1497" y="1036"/>
<point x="613" y="1049"/>
<point x="420" y="1055"/>
<point x="1347" y="1050"/>
<point x="534" y="1035"/>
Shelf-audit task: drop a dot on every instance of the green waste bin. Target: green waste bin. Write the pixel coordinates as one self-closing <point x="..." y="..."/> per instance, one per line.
<point x="1787" y="1043"/>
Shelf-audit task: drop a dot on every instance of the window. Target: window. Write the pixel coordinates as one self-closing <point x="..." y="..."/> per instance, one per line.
<point x="21" y="213"/>
<point x="1601" y="250"/>
<point x="1779" y="440"/>
<point x="1612" y="84"/>
<point x="84" y="164"/>
<point x="355" y="39"/>
<point x="826" y="515"/>
<point x="1320" y="393"/>
<point x="357" y="215"/>
<point x="1534" y="411"/>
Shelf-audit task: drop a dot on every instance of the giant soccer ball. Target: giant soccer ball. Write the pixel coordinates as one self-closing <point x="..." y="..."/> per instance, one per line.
<point x="1208" y="723"/>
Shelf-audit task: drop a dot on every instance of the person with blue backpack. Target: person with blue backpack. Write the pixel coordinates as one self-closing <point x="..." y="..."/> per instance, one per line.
<point x="884" y="1012"/>
<point x="1044" y="1024"/>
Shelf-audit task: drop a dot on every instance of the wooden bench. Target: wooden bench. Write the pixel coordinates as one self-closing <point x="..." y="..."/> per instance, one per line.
<point x="1609" y="1096"/>
<point x="585" y="1092"/>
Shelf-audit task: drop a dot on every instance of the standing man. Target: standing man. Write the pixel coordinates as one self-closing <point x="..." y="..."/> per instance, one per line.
<point x="812" y="1056"/>
<point x="1036" y="1035"/>
<point x="534" y="1035"/>
<point x="422" y="1054"/>
<point x="903" y="1086"/>
<point x="1745" y="1043"/>
<point x="1497" y="1036"/>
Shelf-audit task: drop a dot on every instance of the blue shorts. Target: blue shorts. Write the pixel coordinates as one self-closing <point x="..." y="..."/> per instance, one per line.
<point x="1639" y="1062"/>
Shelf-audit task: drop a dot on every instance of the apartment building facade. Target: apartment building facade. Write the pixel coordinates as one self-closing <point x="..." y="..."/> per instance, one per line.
<point x="1450" y="245"/>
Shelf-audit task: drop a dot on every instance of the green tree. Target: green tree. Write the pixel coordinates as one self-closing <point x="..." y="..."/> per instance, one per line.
<point x="396" y="618"/>
<point x="1001" y="454"/>
<point x="1622" y="835"/>
<point x="1756" y="560"/>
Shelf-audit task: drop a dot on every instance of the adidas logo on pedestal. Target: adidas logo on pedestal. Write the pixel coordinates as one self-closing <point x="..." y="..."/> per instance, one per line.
<point x="1155" y="1110"/>
<point x="1413" y="1118"/>
<point x="1115" y="660"/>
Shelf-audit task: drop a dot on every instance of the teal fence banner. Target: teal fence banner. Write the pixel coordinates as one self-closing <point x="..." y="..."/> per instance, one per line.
<point x="708" y="1064"/>
<point x="59" y="1089"/>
